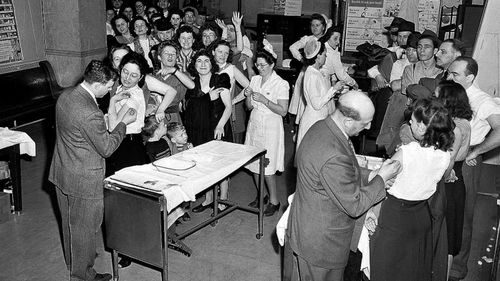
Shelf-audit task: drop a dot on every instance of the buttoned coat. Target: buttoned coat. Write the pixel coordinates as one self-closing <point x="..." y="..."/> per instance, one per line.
<point x="332" y="193"/>
<point x="82" y="143"/>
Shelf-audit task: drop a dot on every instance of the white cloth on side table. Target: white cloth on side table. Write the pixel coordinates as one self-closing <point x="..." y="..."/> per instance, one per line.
<point x="9" y="138"/>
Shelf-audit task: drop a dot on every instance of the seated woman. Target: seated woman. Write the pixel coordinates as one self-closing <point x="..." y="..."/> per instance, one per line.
<point x="208" y="107"/>
<point x="401" y="246"/>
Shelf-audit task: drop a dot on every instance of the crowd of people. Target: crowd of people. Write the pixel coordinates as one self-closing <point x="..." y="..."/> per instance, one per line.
<point x="180" y="78"/>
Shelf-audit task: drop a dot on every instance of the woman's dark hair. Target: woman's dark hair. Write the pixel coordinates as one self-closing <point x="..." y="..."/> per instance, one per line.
<point x="455" y="100"/>
<point x="185" y="29"/>
<point x="312" y="60"/>
<point x="218" y="43"/>
<point x="117" y="17"/>
<point x="320" y="18"/>
<point x="175" y="12"/>
<point x="329" y="32"/>
<point x="262" y="53"/>
<point x="203" y="52"/>
<point x="169" y="43"/>
<point x="114" y="49"/>
<point x="123" y="7"/>
<point x="140" y="61"/>
<point x="439" y="124"/>
<point x="132" y="26"/>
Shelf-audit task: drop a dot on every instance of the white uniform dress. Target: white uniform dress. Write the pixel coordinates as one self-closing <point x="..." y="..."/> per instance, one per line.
<point x="265" y="128"/>
<point x="317" y="94"/>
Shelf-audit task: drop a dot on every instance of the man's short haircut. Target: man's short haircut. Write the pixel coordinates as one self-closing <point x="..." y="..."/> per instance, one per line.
<point x="98" y="72"/>
<point x="173" y="128"/>
<point x="471" y="65"/>
<point x="347" y="111"/>
<point x="457" y="45"/>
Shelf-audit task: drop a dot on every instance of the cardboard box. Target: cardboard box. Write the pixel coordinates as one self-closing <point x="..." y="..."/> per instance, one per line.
<point x="4" y="207"/>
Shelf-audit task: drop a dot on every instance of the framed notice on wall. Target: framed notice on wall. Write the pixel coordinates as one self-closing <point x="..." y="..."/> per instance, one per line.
<point x="10" y="47"/>
<point x="366" y="19"/>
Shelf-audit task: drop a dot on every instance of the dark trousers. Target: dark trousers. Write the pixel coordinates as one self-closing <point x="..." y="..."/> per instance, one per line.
<point x="471" y="175"/>
<point x="81" y="221"/>
<point x="296" y="268"/>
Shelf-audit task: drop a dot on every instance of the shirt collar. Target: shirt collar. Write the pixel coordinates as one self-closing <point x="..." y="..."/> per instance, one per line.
<point x="89" y="91"/>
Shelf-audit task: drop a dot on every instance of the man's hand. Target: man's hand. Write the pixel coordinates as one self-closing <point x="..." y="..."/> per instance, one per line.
<point x="471" y="158"/>
<point x="390" y="168"/>
<point x="371" y="221"/>
<point x="120" y="96"/>
<point x="381" y="82"/>
<point x="130" y="116"/>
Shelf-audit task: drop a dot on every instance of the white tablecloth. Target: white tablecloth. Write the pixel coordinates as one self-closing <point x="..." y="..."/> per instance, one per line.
<point x="10" y="138"/>
<point x="213" y="161"/>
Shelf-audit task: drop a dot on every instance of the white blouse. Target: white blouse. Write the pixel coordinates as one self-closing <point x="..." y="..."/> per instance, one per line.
<point x="136" y="101"/>
<point x="423" y="168"/>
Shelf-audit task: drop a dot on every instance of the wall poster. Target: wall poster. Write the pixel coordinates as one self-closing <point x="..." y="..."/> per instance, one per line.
<point x="366" y="19"/>
<point x="10" y="47"/>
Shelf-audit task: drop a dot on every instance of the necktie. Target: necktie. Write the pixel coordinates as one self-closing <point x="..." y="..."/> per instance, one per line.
<point x="351" y="145"/>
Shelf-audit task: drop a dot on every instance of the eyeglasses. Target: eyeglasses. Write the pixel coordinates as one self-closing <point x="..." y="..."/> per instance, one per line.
<point x="261" y="65"/>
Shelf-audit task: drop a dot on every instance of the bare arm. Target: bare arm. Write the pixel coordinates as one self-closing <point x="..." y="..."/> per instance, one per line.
<point x="456" y="146"/>
<point x="492" y="139"/>
<point x="226" y="99"/>
<point x="237" y="18"/>
<point x="168" y="93"/>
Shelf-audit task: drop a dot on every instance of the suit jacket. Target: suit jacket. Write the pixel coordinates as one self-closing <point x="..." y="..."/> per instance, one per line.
<point x="82" y="143"/>
<point x="332" y="192"/>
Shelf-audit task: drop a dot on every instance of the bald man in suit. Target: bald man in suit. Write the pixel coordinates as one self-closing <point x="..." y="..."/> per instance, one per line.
<point x="77" y="168"/>
<point x="333" y="191"/>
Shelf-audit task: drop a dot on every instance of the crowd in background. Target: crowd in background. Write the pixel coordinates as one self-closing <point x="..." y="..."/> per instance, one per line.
<point x="187" y="73"/>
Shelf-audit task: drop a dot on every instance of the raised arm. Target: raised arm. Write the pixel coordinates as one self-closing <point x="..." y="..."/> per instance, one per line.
<point x="237" y="18"/>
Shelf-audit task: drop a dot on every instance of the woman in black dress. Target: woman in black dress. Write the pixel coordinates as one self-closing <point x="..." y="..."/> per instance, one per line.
<point x="208" y="105"/>
<point x="208" y="108"/>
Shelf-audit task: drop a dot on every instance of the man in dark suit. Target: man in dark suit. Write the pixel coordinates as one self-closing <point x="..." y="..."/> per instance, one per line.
<point x="333" y="191"/>
<point x="77" y="168"/>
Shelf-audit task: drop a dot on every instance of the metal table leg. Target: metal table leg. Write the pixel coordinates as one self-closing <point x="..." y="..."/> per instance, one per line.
<point x="114" y="260"/>
<point x="260" y="233"/>
<point x="15" y="175"/>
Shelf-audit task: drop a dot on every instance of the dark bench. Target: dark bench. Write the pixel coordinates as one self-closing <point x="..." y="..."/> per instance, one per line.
<point x="28" y="95"/>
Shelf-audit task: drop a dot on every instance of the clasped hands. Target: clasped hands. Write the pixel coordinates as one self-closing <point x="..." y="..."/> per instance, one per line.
<point x="256" y="96"/>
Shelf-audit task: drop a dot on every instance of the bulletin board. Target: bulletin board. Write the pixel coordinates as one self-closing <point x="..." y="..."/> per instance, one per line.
<point x="10" y="47"/>
<point x="366" y="19"/>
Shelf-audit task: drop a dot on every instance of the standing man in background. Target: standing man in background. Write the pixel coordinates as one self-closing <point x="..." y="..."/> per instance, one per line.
<point x="77" y="168"/>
